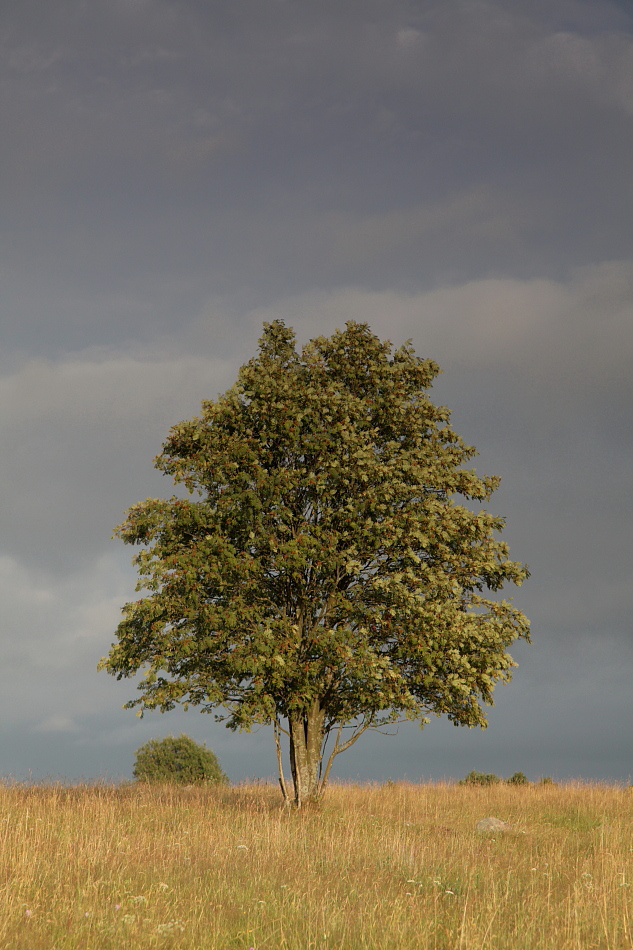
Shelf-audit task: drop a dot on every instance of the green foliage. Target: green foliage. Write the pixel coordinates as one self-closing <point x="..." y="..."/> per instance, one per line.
<point x="519" y="778"/>
<point x="489" y="778"/>
<point x="179" y="760"/>
<point x="321" y="571"/>
<point x="480" y="778"/>
<point x="547" y="780"/>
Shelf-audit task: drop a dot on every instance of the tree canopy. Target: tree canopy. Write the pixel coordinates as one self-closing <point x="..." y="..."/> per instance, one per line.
<point x="321" y="575"/>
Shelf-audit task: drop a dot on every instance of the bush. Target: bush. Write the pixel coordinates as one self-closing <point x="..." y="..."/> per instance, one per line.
<point x="480" y="778"/>
<point x="519" y="778"/>
<point x="181" y="761"/>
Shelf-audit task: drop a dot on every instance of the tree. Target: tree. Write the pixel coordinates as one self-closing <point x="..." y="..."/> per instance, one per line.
<point x="179" y="760"/>
<point x="480" y="778"/>
<point x="322" y="578"/>
<point x="518" y="778"/>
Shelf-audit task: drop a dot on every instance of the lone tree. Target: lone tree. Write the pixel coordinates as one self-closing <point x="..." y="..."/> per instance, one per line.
<point x="322" y="578"/>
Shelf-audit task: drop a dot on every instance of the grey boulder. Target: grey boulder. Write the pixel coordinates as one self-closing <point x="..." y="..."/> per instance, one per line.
<point x="492" y="824"/>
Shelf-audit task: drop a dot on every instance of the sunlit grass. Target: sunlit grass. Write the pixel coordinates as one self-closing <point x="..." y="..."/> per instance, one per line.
<point x="391" y="867"/>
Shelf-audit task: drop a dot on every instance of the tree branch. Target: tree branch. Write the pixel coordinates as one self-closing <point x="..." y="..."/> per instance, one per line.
<point x="282" y="780"/>
<point x="338" y="749"/>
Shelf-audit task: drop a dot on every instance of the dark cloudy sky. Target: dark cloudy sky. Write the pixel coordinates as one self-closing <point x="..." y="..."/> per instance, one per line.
<point x="175" y="172"/>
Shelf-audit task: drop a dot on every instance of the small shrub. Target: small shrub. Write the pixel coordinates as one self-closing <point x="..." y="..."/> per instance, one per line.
<point x="480" y="778"/>
<point x="178" y="760"/>
<point x="547" y="780"/>
<point x="519" y="778"/>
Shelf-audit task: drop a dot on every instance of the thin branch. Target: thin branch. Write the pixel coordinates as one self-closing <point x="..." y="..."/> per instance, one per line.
<point x="338" y="749"/>
<point x="282" y="780"/>
<point x="281" y="728"/>
<point x="330" y="761"/>
<point x="351" y="740"/>
<point x="393" y="722"/>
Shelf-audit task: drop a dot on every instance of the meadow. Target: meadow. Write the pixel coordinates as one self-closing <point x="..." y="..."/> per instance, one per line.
<point x="396" y="867"/>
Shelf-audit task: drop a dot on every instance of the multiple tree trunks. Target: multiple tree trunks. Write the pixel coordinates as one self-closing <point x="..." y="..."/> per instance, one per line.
<point x="306" y="743"/>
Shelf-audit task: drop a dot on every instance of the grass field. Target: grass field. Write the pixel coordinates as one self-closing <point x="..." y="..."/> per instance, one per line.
<point x="392" y="867"/>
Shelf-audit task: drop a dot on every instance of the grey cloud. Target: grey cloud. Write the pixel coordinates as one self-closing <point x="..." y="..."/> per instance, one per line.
<point x="88" y="428"/>
<point x="176" y="152"/>
<point x="59" y="723"/>
<point x="352" y="240"/>
<point x="599" y="67"/>
<point x="175" y="173"/>
<point x="193" y="71"/>
<point x="64" y="617"/>
<point x="553" y="334"/>
<point x="79" y="438"/>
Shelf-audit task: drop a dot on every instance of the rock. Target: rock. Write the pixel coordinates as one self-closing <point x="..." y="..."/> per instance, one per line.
<point x="492" y="824"/>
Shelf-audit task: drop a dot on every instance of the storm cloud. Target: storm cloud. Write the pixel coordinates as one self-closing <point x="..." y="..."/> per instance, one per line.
<point x="454" y="173"/>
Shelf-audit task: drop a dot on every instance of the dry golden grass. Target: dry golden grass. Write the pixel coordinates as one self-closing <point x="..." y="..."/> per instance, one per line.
<point x="391" y="867"/>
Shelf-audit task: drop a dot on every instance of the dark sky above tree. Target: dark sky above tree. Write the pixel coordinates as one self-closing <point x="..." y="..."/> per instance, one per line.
<point x="173" y="175"/>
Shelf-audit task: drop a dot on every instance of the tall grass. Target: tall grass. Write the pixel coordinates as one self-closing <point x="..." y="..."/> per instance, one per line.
<point x="391" y="867"/>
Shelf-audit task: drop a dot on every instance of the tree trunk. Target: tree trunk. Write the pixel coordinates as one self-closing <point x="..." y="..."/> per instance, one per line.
<point x="306" y="742"/>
